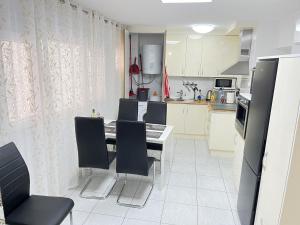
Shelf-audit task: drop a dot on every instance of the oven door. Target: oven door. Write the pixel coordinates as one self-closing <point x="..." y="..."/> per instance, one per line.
<point x="241" y="118"/>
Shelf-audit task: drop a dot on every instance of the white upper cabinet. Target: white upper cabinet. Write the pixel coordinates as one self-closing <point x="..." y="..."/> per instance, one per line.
<point x="192" y="55"/>
<point x="176" y="54"/>
<point x="219" y="53"/>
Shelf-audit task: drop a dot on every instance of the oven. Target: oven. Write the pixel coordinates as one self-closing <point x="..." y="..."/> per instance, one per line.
<point x="242" y="115"/>
<point x="225" y="83"/>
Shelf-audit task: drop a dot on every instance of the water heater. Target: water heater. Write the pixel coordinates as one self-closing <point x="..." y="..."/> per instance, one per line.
<point x="152" y="59"/>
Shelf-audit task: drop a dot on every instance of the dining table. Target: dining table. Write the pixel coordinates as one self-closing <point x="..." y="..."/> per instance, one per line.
<point x="156" y="134"/>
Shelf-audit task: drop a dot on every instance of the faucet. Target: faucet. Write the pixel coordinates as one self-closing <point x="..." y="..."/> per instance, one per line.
<point x="180" y="94"/>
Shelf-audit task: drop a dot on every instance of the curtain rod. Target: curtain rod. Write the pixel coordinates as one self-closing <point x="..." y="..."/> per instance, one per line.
<point x="86" y="11"/>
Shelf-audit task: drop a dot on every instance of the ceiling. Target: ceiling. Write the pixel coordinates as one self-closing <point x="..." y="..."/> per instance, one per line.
<point x="223" y="13"/>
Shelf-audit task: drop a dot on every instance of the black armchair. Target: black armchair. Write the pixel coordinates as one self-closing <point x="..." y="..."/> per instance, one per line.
<point x="21" y="208"/>
<point x="92" y="148"/>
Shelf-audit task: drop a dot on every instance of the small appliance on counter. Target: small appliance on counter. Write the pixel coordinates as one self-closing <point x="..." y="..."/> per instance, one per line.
<point x="230" y="97"/>
<point x="225" y="83"/>
<point x="142" y="94"/>
<point x="209" y="95"/>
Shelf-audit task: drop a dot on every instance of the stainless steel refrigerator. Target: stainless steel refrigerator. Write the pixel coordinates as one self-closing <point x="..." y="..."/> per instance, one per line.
<point x="262" y="89"/>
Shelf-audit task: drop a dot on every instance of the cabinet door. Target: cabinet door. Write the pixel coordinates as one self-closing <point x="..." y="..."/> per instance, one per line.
<point x="193" y="56"/>
<point x="210" y="56"/>
<point x="196" y="119"/>
<point x="219" y="53"/>
<point x="175" y="54"/>
<point x="229" y="47"/>
<point x="176" y="117"/>
<point x="222" y="131"/>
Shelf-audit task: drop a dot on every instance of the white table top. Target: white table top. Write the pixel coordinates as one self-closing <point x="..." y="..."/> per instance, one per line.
<point x="160" y="140"/>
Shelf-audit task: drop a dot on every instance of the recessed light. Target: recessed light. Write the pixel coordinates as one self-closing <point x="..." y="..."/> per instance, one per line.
<point x="185" y="1"/>
<point x="203" y="28"/>
<point x="172" y="42"/>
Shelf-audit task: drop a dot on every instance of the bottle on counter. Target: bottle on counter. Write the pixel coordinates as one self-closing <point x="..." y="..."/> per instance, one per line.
<point x="94" y="113"/>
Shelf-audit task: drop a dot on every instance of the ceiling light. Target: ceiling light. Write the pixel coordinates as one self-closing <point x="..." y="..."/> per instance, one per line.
<point x="203" y="28"/>
<point x="172" y="42"/>
<point x="185" y="1"/>
<point x="298" y="27"/>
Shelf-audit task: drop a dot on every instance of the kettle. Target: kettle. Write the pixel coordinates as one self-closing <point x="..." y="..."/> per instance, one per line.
<point x="208" y="95"/>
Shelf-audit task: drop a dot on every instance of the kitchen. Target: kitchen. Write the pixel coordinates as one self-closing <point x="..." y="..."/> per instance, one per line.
<point x="138" y="112"/>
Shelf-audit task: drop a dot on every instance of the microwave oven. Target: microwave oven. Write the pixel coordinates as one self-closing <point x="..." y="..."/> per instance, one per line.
<point x="225" y="83"/>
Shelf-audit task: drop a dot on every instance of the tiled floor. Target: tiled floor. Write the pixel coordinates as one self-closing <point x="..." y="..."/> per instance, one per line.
<point x="200" y="191"/>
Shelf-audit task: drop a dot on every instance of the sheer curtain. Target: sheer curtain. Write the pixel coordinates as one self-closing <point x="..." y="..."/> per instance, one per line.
<point x="57" y="61"/>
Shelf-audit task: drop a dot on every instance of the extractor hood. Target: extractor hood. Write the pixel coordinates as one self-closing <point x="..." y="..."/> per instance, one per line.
<point x="242" y="66"/>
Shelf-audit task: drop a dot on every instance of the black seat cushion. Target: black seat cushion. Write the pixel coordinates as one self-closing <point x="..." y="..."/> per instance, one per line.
<point x="154" y="146"/>
<point x="110" y="141"/>
<point x="41" y="210"/>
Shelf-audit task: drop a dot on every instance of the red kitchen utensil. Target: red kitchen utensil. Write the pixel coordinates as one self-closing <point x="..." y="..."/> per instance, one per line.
<point x="131" y="93"/>
<point x="134" y="68"/>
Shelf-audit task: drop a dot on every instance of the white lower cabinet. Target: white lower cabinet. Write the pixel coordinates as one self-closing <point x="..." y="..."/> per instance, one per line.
<point x="222" y="131"/>
<point x="188" y="118"/>
<point x="238" y="159"/>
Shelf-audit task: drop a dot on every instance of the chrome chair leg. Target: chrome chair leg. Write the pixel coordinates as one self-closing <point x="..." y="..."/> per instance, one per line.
<point x="97" y="197"/>
<point x="134" y="205"/>
<point x="71" y="218"/>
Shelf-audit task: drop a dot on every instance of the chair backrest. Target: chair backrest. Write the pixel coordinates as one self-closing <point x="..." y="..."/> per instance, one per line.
<point x="128" y="109"/>
<point x="91" y="145"/>
<point x="14" y="178"/>
<point x="156" y="113"/>
<point x="131" y="148"/>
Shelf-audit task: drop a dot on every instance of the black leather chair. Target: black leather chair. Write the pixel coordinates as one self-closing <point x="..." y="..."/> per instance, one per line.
<point x="132" y="154"/>
<point x="21" y="208"/>
<point x="92" y="149"/>
<point x="128" y="110"/>
<point x="157" y="114"/>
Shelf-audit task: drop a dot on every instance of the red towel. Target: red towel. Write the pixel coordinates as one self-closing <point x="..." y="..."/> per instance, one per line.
<point x="166" y="85"/>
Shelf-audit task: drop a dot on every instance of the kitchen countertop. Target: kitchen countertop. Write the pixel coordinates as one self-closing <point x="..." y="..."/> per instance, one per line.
<point x="211" y="106"/>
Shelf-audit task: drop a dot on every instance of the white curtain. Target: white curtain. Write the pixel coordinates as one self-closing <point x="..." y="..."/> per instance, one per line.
<point x="57" y="61"/>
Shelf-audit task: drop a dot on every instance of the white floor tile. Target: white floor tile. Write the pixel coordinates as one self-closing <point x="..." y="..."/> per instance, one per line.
<point x="208" y="170"/>
<point x="151" y="212"/>
<point x="97" y="219"/>
<point x="215" y="199"/>
<point x="211" y="183"/>
<point x="236" y="218"/>
<point x="181" y="195"/>
<point x="183" y="180"/>
<point x="130" y="188"/>
<point x="182" y="167"/>
<point x="110" y="207"/>
<point x="229" y="185"/>
<point x="179" y="214"/>
<point x="78" y="218"/>
<point x="82" y="204"/>
<point x="233" y="198"/>
<point x="138" y="222"/>
<point x="144" y="189"/>
<point x="211" y="216"/>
